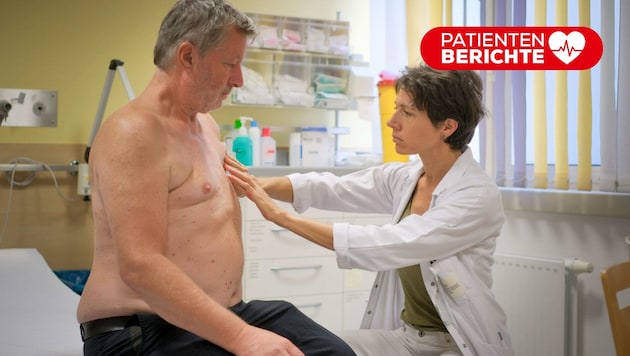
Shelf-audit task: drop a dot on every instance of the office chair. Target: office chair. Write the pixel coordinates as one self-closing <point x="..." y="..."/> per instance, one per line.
<point x="616" y="278"/>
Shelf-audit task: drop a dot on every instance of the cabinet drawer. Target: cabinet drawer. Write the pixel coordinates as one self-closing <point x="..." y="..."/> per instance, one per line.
<point x="292" y="276"/>
<point x="325" y="309"/>
<point x="354" y="304"/>
<point x="264" y="239"/>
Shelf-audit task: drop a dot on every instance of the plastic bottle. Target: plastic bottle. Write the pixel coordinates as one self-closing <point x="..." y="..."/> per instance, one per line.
<point x="315" y="147"/>
<point x="230" y="136"/>
<point x="254" y="135"/>
<point x="295" y="149"/>
<point x="242" y="145"/>
<point x="267" y="148"/>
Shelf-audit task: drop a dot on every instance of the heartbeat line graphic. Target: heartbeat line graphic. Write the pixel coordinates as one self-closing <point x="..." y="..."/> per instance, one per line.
<point x="566" y="49"/>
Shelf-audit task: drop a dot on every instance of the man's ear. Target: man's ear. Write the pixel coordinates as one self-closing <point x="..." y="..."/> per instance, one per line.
<point x="186" y="54"/>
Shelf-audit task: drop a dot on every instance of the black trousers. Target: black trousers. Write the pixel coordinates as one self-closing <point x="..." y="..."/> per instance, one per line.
<point x="151" y="335"/>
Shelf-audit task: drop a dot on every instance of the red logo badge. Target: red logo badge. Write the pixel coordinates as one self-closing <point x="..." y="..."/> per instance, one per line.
<point x="511" y="48"/>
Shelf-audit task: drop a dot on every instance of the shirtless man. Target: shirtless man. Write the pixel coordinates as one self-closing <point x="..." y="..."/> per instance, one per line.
<point x="168" y="257"/>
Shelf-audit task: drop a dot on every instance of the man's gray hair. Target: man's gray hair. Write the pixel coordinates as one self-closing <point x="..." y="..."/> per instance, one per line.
<point x="200" y="22"/>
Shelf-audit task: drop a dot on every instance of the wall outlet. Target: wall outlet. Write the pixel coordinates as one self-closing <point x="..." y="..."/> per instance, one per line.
<point x="30" y="107"/>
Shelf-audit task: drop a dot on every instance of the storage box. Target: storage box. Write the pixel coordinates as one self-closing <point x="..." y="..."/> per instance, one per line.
<point x="330" y="81"/>
<point x="292" y="34"/>
<point x="268" y="31"/>
<point x="316" y="36"/>
<point x="257" y="71"/>
<point x="339" y="38"/>
<point x="292" y="80"/>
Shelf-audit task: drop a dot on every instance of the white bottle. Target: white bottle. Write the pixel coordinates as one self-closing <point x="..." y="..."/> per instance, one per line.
<point x="315" y="151"/>
<point x="231" y="135"/>
<point x="254" y="135"/>
<point x="267" y="148"/>
<point x="295" y="149"/>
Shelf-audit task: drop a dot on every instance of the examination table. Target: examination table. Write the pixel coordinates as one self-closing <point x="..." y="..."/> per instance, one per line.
<point x="37" y="310"/>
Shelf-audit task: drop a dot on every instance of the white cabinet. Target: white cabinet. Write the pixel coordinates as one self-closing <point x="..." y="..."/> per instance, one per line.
<point x="280" y="265"/>
<point x="271" y="278"/>
<point x="358" y="283"/>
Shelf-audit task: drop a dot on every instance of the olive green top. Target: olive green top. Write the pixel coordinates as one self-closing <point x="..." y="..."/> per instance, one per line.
<point x="419" y="311"/>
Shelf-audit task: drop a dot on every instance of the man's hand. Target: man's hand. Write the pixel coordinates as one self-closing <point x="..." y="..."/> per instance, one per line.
<point x="253" y="341"/>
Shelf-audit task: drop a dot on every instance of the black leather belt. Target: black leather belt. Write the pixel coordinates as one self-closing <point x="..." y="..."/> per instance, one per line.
<point x="100" y="326"/>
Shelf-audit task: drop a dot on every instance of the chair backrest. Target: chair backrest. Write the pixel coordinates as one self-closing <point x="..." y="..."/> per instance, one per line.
<point x="615" y="279"/>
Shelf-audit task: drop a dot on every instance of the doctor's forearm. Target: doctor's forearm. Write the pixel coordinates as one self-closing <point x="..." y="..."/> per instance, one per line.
<point x="315" y="231"/>
<point x="278" y="188"/>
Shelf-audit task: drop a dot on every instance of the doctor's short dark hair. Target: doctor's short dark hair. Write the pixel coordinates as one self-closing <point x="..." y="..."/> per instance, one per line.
<point x="443" y="94"/>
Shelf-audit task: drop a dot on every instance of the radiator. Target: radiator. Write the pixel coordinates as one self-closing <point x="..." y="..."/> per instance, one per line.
<point x="539" y="296"/>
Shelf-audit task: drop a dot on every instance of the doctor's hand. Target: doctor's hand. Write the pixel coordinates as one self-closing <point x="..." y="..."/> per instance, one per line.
<point x="247" y="183"/>
<point x="231" y="161"/>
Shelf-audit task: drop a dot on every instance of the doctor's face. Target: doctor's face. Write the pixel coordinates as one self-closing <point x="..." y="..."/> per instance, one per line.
<point x="412" y="130"/>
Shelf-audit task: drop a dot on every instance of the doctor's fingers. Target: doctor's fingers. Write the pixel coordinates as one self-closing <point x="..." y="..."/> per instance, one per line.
<point x="243" y="179"/>
<point x="231" y="161"/>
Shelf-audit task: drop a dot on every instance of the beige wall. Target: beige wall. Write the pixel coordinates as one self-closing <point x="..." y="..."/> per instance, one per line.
<point x="66" y="45"/>
<point x="39" y="216"/>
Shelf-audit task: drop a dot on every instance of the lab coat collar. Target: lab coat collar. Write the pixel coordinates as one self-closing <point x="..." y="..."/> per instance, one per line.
<point x="460" y="165"/>
<point x="454" y="174"/>
<point x="411" y="179"/>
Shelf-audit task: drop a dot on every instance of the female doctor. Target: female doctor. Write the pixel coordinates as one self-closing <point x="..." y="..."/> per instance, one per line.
<point x="434" y="260"/>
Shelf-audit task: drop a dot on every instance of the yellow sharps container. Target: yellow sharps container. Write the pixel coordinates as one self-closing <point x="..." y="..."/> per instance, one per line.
<point x="386" y="99"/>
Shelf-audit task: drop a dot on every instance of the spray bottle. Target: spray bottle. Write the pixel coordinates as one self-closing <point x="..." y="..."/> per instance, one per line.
<point x="254" y="134"/>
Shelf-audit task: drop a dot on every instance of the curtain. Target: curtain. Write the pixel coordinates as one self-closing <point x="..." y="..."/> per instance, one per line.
<point x="540" y="108"/>
<point x="499" y="104"/>
<point x="585" y="111"/>
<point x="519" y="108"/>
<point x="525" y="105"/>
<point x="623" y="117"/>
<point x="561" y="114"/>
<point x="608" y="104"/>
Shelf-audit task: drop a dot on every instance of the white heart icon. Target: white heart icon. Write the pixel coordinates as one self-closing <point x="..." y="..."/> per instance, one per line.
<point x="566" y="47"/>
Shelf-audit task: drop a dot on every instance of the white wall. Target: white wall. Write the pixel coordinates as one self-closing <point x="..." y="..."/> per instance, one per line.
<point x="599" y="240"/>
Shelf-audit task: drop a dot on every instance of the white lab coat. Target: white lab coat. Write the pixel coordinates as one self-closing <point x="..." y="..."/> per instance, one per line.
<point x="453" y="242"/>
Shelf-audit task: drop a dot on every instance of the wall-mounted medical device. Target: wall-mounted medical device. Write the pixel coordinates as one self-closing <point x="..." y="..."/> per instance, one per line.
<point x="28" y="108"/>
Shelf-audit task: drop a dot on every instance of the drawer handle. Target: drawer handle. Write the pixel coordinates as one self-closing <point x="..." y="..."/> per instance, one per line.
<point x="278" y="229"/>
<point x="311" y="305"/>
<point x="279" y="269"/>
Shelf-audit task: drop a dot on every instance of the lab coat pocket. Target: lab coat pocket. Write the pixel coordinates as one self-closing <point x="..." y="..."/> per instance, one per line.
<point x="481" y="318"/>
<point x="468" y="307"/>
<point x="452" y="285"/>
